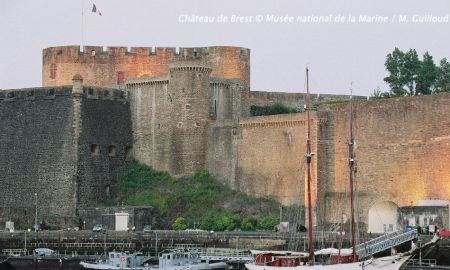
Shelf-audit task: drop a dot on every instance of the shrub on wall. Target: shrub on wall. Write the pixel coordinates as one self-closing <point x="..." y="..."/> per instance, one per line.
<point x="271" y="109"/>
<point x="248" y="224"/>
<point x="199" y="199"/>
<point x="180" y="224"/>
<point x="268" y="223"/>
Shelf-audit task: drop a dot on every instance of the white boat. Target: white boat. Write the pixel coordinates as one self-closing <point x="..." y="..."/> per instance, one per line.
<point x="168" y="260"/>
<point x="386" y="263"/>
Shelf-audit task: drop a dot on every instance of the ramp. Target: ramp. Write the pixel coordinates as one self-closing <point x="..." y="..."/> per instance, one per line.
<point x="384" y="242"/>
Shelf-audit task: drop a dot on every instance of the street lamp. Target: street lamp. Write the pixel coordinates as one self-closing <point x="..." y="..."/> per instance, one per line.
<point x="35" y="215"/>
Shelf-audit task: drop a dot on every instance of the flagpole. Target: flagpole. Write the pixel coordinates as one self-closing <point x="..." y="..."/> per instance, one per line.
<point x="82" y="25"/>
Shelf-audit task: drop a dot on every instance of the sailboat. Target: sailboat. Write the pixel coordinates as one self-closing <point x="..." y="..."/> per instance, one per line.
<point x="344" y="258"/>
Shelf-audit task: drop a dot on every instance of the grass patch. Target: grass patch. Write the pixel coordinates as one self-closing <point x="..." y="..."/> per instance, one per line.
<point x="199" y="199"/>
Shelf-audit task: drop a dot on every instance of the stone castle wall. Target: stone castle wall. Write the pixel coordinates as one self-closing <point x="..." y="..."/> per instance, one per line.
<point x="402" y="151"/>
<point x="402" y="147"/>
<point x="47" y="140"/>
<point x="105" y="122"/>
<point x="113" y="65"/>
<point x="171" y="115"/>
<point x="36" y="150"/>
<point x="294" y="100"/>
<point x="264" y="156"/>
<point x="187" y="111"/>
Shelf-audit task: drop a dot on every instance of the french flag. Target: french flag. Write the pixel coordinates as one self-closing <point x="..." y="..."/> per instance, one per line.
<point x="95" y="10"/>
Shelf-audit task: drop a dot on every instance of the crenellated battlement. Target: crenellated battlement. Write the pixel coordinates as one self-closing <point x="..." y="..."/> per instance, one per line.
<point x="92" y="51"/>
<point x="46" y="93"/>
<point x="190" y="66"/>
<point x="225" y="82"/>
<point x="111" y="51"/>
<point x="9" y="95"/>
<point x="102" y="93"/>
<point x="146" y="81"/>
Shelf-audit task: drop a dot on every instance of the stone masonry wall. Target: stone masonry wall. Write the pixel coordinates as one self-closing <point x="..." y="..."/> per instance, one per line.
<point x="270" y="156"/>
<point x="101" y="67"/>
<point x="105" y="144"/>
<point x="228" y="100"/>
<point x="402" y="152"/>
<point x="36" y="152"/>
<point x="294" y="100"/>
<point x="189" y="95"/>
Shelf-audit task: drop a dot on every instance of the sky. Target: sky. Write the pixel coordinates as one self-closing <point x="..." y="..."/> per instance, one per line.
<point x="333" y="37"/>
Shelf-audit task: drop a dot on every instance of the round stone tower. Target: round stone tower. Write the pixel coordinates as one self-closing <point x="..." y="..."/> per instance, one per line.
<point x="189" y="99"/>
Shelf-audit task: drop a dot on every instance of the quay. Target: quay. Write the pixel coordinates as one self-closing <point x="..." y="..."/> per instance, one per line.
<point x="88" y="242"/>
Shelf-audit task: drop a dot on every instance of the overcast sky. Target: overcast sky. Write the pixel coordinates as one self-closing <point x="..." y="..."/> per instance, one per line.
<point x="336" y="52"/>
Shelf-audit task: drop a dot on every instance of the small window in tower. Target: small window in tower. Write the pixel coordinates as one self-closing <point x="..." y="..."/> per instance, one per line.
<point x="215" y="107"/>
<point x="120" y="77"/>
<point x="234" y="131"/>
<point x="95" y="149"/>
<point x="128" y="152"/>
<point x="195" y="54"/>
<point x="179" y="125"/>
<point x="107" y="191"/>
<point x="197" y="124"/>
<point x="158" y="126"/>
<point x="52" y="71"/>
<point x="93" y="53"/>
<point x="112" y="150"/>
<point x="188" y="106"/>
<point x="90" y="91"/>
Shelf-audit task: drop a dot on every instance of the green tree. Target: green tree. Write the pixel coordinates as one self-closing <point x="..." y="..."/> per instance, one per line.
<point x="394" y="65"/>
<point x="403" y="69"/>
<point x="427" y="74"/>
<point x="443" y="76"/>
<point x="268" y="223"/>
<point x="410" y="70"/>
<point x="226" y="222"/>
<point x="180" y="224"/>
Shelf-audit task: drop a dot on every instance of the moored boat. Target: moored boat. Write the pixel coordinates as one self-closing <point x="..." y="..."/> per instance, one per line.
<point x="168" y="260"/>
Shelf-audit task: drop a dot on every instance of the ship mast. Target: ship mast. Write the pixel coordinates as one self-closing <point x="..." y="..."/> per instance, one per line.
<point x="308" y="156"/>
<point x="351" y="165"/>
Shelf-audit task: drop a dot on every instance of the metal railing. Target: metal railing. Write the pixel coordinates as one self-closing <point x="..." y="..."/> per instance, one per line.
<point x="225" y="254"/>
<point x="421" y="262"/>
<point x="384" y="242"/>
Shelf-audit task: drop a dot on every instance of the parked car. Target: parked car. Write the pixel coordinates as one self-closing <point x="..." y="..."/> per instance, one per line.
<point x="147" y="228"/>
<point x="40" y="227"/>
<point x="99" y="228"/>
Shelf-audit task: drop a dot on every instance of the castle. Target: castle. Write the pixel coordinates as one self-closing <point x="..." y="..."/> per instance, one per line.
<point x="188" y="109"/>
